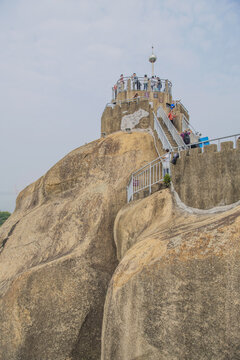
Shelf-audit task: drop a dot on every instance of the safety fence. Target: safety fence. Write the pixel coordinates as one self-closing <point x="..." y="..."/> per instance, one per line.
<point x="146" y="177"/>
<point x="153" y="172"/>
<point x="216" y="141"/>
<point x="141" y="83"/>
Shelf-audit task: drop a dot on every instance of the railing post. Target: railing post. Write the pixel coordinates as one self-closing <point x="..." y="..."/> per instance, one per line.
<point x="129" y="84"/>
<point x="131" y="189"/>
<point x="150" y="176"/>
<point x="166" y="86"/>
<point x="149" y="85"/>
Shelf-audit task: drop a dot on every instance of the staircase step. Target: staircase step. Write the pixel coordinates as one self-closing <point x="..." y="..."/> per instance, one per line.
<point x="168" y="134"/>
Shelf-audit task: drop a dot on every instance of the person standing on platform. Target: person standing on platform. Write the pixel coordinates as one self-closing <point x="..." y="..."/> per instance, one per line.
<point x="134" y="80"/>
<point x="145" y="82"/>
<point x="152" y="83"/>
<point x="159" y="84"/>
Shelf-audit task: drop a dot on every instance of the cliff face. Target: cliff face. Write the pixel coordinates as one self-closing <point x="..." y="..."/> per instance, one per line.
<point x="175" y="293"/>
<point x="58" y="253"/>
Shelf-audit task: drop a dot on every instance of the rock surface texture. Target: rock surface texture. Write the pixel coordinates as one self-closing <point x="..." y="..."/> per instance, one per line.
<point x="58" y="254"/>
<point x="176" y="291"/>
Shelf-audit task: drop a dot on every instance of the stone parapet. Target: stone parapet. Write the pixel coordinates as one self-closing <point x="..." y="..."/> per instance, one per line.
<point x="210" y="178"/>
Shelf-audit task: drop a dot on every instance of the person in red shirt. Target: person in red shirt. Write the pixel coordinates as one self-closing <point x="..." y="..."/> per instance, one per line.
<point x="171" y="116"/>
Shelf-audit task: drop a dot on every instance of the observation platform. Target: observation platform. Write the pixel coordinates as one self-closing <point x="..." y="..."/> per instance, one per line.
<point x="157" y="91"/>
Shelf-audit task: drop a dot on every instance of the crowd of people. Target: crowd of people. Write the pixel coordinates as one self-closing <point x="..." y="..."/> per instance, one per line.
<point x="153" y="83"/>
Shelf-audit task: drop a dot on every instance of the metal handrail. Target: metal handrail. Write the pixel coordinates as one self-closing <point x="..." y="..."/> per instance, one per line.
<point x="208" y="142"/>
<point x="181" y="104"/>
<point x="161" y="134"/>
<point x="150" y="173"/>
<point x="145" y="177"/>
<point x="171" y="128"/>
<point x="188" y="125"/>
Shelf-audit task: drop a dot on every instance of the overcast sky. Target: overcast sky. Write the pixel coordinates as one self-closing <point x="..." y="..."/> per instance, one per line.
<point x="60" y="58"/>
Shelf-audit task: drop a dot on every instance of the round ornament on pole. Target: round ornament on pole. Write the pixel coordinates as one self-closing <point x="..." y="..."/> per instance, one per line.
<point x="152" y="60"/>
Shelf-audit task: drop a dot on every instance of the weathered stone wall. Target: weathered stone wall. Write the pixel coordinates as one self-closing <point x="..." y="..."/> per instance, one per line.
<point x="208" y="179"/>
<point x="112" y="117"/>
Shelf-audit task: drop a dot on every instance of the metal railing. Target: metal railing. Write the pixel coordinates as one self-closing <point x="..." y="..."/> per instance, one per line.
<point x="171" y="128"/>
<point x="153" y="173"/>
<point x="216" y="141"/>
<point x="146" y="177"/>
<point x="141" y="83"/>
<point x="186" y="125"/>
<point x="161" y="134"/>
<point x="178" y="102"/>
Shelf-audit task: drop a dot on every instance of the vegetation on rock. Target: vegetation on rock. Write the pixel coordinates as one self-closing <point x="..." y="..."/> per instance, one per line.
<point x="167" y="180"/>
<point x="4" y="215"/>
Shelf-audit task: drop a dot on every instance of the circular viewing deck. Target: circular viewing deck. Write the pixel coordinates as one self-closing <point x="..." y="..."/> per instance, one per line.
<point x="140" y="86"/>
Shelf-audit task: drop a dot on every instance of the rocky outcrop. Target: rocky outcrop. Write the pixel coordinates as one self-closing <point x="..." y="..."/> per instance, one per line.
<point x="58" y="254"/>
<point x="175" y="293"/>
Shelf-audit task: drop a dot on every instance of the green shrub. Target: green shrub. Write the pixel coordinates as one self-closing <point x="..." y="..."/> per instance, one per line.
<point x="3" y="216"/>
<point x="167" y="180"/>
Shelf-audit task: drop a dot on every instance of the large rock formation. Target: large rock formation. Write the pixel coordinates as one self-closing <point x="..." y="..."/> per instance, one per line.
<point x="175" y="293"/>
<point x="58" y="253"/>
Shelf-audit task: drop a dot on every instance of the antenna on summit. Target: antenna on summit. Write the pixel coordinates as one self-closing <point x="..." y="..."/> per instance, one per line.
<point x="152" y="60"/>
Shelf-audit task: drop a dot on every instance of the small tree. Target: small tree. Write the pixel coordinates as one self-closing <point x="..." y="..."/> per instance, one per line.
<point x="3" y="216"/>
<point x="167" y="180"/>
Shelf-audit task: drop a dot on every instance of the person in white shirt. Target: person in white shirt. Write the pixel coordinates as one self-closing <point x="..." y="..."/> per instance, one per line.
<point x="166" y="162"/>
<point x="145" y="82"/>
<point x="153" y="83"/>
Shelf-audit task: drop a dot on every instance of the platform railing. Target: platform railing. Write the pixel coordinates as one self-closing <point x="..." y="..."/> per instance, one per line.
<point x="141" y="84"/>
<point x="171" y="128"/>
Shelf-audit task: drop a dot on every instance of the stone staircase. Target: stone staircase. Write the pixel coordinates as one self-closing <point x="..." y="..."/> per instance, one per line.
<point x="168" y="134"/>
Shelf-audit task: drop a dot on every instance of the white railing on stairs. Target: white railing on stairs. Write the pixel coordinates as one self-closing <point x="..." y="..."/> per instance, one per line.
<point x="186" y="125"/>
<point x="171" y="128"/>
<point x="161" y="134"/>
<point x="145" y="177"/>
